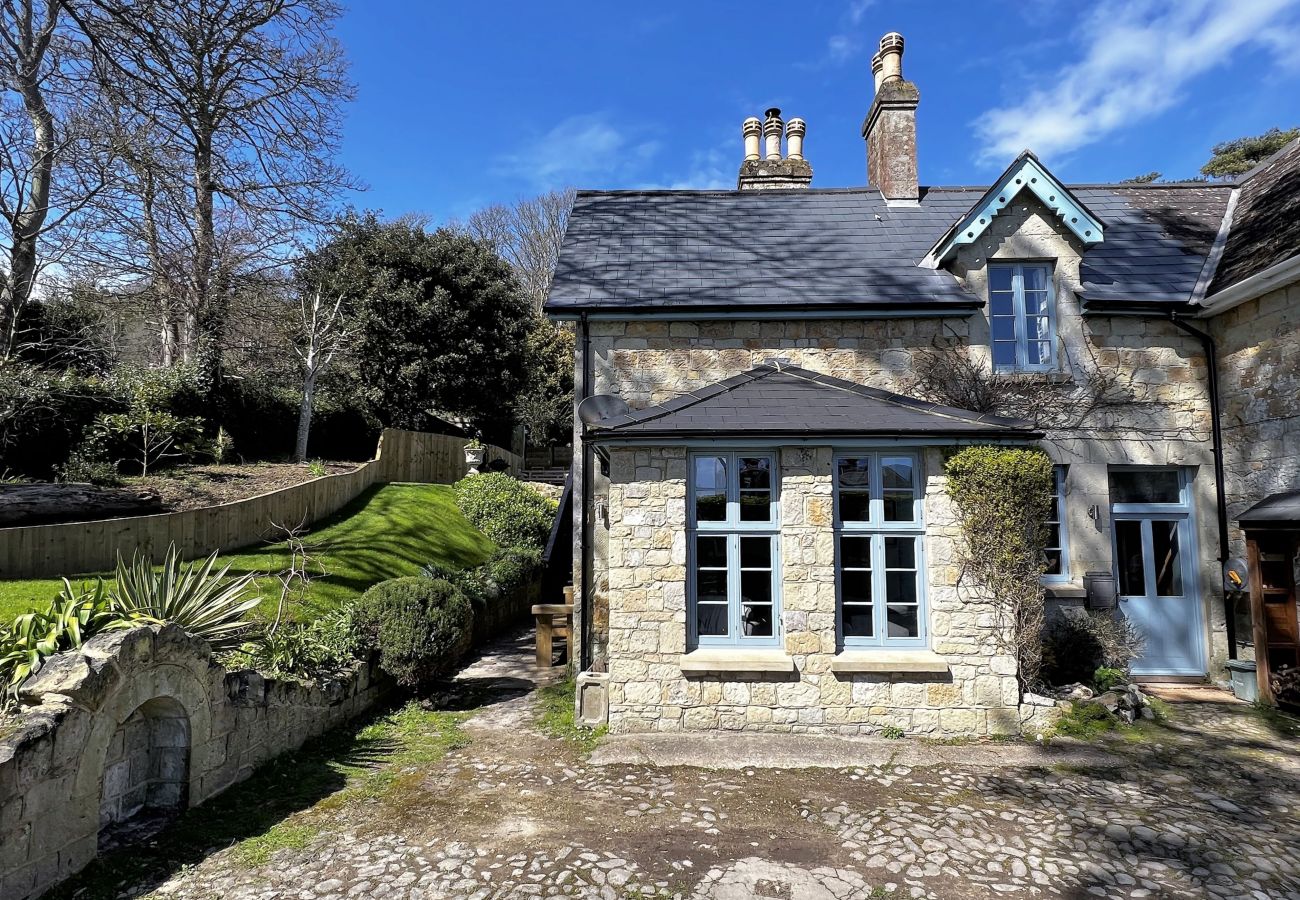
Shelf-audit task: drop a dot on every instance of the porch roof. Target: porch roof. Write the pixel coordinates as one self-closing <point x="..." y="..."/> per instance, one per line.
<point x="775" y="400"/>
<point x="1281" y="510"/>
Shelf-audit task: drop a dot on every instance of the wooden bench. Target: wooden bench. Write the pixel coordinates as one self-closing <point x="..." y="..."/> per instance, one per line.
<point x="553" y="620"/>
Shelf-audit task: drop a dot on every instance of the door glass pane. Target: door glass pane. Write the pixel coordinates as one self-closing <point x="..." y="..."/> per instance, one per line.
<point x="1128" y="558"/>
<point x="854" y="482"/>
<point x="756" y="586"/>
<point x="710" y="488"/>
<point x="900" y="553"/>
<point x="1000" y="278"/>
<point x="855" y="552"/>
<point x="711" y="552"/>
<point x="1168" y="559"/>
<point x="1035" y="278"/>
<point x="1004" y="328"/>
<point x="896" y="478"/>
<point x="903" y="621"/>
<point x="755" y="473"/>
<point x="1145" y="486"/>
<point x="1002" y="304"/>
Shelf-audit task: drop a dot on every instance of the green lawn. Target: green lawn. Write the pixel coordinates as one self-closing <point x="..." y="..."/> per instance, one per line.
<point x="387" y="532"/>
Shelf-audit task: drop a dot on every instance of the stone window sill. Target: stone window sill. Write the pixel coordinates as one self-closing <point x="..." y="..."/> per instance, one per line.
<point x="889" y="661"/>
<point x="1061" y="590"/>
<point x="716" y="659"/>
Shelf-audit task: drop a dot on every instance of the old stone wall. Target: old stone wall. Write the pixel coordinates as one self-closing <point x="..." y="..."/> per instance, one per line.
<point x="647" y="619"/>
<point x="136" y="718"/>
<point x="1259" y="386"/>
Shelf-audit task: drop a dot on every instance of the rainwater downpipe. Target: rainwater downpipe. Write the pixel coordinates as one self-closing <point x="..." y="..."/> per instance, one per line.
<point x="1220" y="492"/>
<point x="584" y="612"/>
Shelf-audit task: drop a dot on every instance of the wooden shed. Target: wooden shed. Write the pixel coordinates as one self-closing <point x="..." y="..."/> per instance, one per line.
<point x="1272" y="529"/>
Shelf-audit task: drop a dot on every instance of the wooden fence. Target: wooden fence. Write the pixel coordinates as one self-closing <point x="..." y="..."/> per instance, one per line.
<point x="43" y="551"/>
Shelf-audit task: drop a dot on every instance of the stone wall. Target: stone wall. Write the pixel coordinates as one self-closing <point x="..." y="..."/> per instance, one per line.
<point x="73" y="759"/>
<point x="1259" y="383"/>
<point x="647" y="619"/>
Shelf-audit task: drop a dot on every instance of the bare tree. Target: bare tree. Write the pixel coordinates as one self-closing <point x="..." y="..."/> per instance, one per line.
<point x="242" y="101"/>
<point x="320" y="336"/>
<point x="56" y="159"/>
<point x="528" y="235"/>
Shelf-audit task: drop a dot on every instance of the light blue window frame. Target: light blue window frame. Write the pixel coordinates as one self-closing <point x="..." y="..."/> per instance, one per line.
<point x="732" y="528"/>
<point x="877" y="529"/>
<point x="1021" y="319"/>
<point x="1060" y="474"/>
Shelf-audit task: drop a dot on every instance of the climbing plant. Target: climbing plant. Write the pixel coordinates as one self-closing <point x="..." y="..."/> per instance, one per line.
<point x="1003" y="496"/>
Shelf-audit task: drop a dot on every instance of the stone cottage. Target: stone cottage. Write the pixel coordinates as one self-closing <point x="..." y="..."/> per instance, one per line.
<point x="769" y="379"/>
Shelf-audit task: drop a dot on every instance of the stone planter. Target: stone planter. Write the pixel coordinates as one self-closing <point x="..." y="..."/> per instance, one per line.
<point x="474" y="458"/>
<point x="592" y="699"/>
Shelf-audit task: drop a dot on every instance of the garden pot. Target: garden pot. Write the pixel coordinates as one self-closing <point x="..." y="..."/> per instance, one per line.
<point x="1244" y="684"/>
<point x="474" y="458"/>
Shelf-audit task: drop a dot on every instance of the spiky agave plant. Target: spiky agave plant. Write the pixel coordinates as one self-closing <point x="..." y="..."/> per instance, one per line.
<point x="71" y="619"/>
<point x="204" y="603"/>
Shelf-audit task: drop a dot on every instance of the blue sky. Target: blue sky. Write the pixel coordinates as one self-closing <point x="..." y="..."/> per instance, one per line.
<point x="464" y="104"/>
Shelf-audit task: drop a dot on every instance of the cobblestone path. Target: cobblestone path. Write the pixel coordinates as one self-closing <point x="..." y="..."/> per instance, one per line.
<point x="1210" y="807"/>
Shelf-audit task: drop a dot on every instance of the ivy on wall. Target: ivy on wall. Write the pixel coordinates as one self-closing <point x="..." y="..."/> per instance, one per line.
<point x="1003" y="496"/>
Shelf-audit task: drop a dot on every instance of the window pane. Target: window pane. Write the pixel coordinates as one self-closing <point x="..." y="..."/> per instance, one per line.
<point x="896" y="472"/>
<point x="900" y="587"/>
<point x="1036" y="304"/>
<point x="857" y="621"/>
<point x="1000" y="278"/>
<point x="711" y="552"/>
<point x="899" y="507"/>
<point x="711" y="619"/>
<point x="855" y="587"/>
<point x="855" y="506"/>
<point x="710" y="488"/>
<point x="1128" y="558"/>
<point x="855" y="552"/>
<point x="755" y="473"/>
<point x="756" y="553"/>
<point x="1002" y="304"/>
<point x="1040" y="352"/>
<point x="1004" y="328"/>
<point x="903" y="621"/>
<point x="711" y="585"/>
<point x="1053" y="562"/>
<point x="900" y="553"/>
<point x="1169" y="564"/>
<point x="1035" y="278"/>
<point x="756" y="621"/>
<point x="854" y="473"/>
<point x="1145" y="486"/>
<point x="756" y="587"/>
<point x="1004" y="354"/>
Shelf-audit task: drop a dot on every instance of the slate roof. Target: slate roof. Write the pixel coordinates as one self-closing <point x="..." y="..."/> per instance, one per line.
<point x="657" y="251"/>
<point x="778" y="400"/>
<point x="1273" y="511"/>
<point x="1266" y="223"/>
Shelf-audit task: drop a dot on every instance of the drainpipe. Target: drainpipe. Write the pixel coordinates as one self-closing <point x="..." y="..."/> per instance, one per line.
<point x="584" y="618"/>
<point x="1220" y="493"/>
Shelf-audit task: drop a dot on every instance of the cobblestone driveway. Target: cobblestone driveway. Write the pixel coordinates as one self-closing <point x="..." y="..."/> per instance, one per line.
<point x="1210" y="809"/>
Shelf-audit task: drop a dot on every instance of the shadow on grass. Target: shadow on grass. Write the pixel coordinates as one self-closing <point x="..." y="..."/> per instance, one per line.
<point x="288" y="784"/>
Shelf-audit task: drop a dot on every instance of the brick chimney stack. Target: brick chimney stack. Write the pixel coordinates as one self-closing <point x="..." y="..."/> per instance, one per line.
<point x="764" y="168"/>
<point x="890" y="126"/>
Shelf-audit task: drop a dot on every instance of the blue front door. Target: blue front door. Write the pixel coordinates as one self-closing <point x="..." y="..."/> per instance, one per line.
<point x="1156" y="579"/>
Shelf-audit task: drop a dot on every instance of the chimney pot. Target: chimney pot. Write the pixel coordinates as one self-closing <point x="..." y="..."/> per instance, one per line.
<point x="752" y="130"/>
<point x="772" y="128"/>
<point x="795" y="129"/>
<point x="877" y="69"/>
<point x="891" y="56"/>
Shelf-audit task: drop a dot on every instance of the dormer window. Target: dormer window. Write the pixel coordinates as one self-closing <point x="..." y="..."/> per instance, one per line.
<point x="1022" y="317"/>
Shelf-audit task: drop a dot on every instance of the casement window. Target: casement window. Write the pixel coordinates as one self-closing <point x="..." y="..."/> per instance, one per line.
<point x="1022" y="318"/>
<point x="733" y="554"/>
<point x="1058" y="563"/>
<point x="880" y="569"/>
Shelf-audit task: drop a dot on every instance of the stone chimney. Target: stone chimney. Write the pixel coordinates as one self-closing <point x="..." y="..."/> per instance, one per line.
<point x="764" y="168"/>
<point x="890" y="126"/>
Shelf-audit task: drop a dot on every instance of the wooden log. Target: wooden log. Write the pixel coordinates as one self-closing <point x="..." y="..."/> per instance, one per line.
<point x="39" y="504"/>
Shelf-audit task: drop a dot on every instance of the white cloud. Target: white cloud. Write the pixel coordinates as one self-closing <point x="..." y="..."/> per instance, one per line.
<point x="1137" y="56"/>
<point x="585" y="150"/>
<point x="846" y="43"/>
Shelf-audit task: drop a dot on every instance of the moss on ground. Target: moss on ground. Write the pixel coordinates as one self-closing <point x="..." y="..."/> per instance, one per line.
<point x="555" y="716"/>
<point x="285" y="804"/>
<point x="387" y="532"/>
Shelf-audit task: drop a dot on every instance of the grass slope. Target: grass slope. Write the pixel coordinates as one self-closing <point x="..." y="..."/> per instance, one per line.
<point x="387" y="532"/>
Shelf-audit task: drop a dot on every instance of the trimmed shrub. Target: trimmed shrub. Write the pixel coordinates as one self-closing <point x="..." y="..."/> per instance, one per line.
<point x="505" y="509"/>
<point x="319" y="649"/>
<point x="420" y="626"/>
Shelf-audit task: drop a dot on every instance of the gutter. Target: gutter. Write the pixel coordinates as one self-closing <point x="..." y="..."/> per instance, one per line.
<point x="1275" y="276"/>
